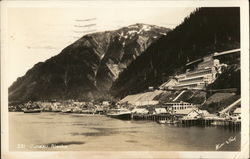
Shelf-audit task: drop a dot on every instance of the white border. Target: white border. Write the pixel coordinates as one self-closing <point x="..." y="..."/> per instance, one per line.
<point x="244" y="153"/>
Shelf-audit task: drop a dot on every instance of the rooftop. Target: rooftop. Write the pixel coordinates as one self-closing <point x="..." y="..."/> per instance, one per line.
<point x="184" y="111"/>
<point x="237" y="111"/>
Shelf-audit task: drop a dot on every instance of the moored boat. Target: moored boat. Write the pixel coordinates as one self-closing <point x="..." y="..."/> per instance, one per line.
<point x="56" y="110"/>
<point x="67" y="110"/>
<point x="162" y="121"/>
<point x="32" y="110"/>
<point x="123" y="114"/>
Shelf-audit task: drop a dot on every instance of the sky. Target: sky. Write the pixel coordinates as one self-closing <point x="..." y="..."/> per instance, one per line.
<point x="36" y="34"/>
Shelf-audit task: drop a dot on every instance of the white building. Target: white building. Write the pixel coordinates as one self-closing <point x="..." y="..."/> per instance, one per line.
<point x="105" y="103"/>
<point x="237" y="111"/>
<point x="160" y="111"/>
<point x="189" y="113"/>
<point x="205" y="73"/>
<point x="236" y="114"/>
<point x="193" y="113"/>
<point x="179" y="106"/>
<point x="196" y="79"/>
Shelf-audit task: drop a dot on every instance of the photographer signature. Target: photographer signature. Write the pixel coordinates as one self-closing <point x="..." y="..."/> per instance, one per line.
<point x="228" y="141"/>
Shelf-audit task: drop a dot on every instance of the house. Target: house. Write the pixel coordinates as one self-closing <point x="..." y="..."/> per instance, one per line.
<point x="236" y="114"/>
<point x="189" y="113"/>
<point x="160" y="111"/>
<point x="237" y="111"/>
<point x="99" y="110"/>
<point x="193" y="113"/>
<point x="150" y="88"/>
<point x="205" y="114"/>
<point x="105" y="103"/>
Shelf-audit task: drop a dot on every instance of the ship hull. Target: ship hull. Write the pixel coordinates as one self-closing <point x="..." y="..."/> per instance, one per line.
<point x="66" y="112"/>
<point x="32" y="111"/>
<point x="56" y="111"/>
<point x="120" y="116"/>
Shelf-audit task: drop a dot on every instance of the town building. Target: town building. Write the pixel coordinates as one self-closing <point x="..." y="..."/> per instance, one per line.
<point x="187" y="113"/>
<point x="237" y="111"/>
<point x="105" y="103"/>
<point x="160" y="111"/>
<point x="193" y="113"/>
<point x="173" y="106"/>
<point x="236" y="114"/>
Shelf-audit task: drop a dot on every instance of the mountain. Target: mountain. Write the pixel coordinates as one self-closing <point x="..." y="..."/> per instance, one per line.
<point x="205" y="31"/>
<point x="87" y="68"/>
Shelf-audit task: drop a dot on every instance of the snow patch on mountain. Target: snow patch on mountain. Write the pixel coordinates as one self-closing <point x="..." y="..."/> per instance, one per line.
<point x="132" y="32"/>
<point x="146" y="27"/>
<point x="102" y="56"/>
<point x="163" y="33"/>
<point x="114" y="68"/>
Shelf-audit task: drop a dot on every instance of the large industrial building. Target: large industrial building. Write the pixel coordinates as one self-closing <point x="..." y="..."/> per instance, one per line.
<point x="203" y="74"/>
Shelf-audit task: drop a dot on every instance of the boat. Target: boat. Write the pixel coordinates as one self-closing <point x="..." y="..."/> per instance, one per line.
<point x="77" y="111"/>
<point x="123" y="114"/>
<point x="169" y="122"/>
<point x="175" y="122"/>
<point x="56" y="110"/>
<point x="66" y="110"/>
<point x="162" y="121"/>
<point x="87" y="111"/>
<point x="47" y="110"/>
<point x="32" y="110"/>
<point x="172" y="122"/>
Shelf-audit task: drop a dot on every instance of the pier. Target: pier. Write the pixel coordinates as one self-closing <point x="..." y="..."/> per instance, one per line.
<point x="231" y="124"/>
<point x="212" y="122"/>
<point x="154" y="117"/>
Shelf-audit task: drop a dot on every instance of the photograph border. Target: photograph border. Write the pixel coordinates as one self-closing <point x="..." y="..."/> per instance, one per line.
<point x="244" y="18"/>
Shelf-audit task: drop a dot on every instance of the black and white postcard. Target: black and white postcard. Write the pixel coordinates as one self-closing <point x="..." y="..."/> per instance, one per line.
<point x="125" y="79"/>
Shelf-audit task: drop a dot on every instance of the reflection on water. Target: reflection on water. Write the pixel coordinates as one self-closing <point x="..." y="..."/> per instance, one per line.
<point x="131" y="141"/>
<point x="78" y="132"/>
<point x="103" y="132"/>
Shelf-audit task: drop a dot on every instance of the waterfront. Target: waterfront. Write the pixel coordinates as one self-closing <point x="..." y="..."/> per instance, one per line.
<point x="49" y="131"/>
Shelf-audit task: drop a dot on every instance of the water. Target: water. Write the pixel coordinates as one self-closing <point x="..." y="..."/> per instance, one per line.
<point x="79" y="132"/>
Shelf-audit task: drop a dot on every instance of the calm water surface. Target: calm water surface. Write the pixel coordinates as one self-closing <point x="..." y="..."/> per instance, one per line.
<point x="79" y="132"/>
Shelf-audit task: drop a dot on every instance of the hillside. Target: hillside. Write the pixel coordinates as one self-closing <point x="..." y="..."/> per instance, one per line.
<point x="219" y="101"/>
<point x="230" y="78"/>
<point x="87" y="68"/>
<point x="205" y="31"/>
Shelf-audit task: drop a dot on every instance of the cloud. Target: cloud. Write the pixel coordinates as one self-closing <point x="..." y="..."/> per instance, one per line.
<point x="85" y="20"/>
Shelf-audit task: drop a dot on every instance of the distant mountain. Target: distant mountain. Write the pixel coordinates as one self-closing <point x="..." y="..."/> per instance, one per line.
<point x="205" y="31"/>
<point x="87" y="68"/>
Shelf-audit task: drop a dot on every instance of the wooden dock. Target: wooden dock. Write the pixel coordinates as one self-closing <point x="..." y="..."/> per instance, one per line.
<point x="154" y="117"/>
<point x="231" y="124"/>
